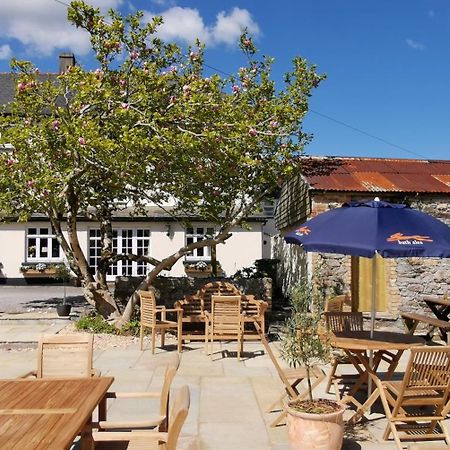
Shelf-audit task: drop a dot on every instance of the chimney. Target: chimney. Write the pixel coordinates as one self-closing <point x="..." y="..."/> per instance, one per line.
<point x="66" y="60"/>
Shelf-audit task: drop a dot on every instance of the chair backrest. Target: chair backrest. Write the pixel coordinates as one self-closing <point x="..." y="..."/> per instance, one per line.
<point x="178" y="414"/>
<point x="335" y="304"/>
<point x="428" y="370"/>
<point x="226" y="314"/>
<point x="344" y="321"/>
<point x="148" y="308"/>
<point x="170" y="373"/>
<point x="65" y="355"/>
<point x="222" y="288"/>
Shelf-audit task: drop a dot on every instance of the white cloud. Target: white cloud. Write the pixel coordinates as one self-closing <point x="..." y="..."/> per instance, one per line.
<point x="415" y="45"/>
<point x="42" y="26"/>
<point x="229" y="27"/>
<point x="186" y="25"/>
<point x="5" y="51"/>
<point x="183" y="24"/>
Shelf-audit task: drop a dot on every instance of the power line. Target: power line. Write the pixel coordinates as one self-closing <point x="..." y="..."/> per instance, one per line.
<point x="325" y="116"/>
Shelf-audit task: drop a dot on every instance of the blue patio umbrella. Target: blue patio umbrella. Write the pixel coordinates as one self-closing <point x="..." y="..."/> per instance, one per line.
<point x="374" y="227"/>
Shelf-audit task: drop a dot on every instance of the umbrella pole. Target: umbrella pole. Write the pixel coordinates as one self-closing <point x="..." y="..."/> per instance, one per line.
<point x="372" y="320"/>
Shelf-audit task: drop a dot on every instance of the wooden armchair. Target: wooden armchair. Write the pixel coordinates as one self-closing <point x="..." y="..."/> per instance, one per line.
<point x="338" y="321"/>
<point x="145" y="439"/>
<point x="416" y="406"/>
<point x="291" y="378"/>
<point x="65" y="355"/>
<point x="160" y="420"/>
<point x="225" y="321"/>
<point x="149" y="313"/>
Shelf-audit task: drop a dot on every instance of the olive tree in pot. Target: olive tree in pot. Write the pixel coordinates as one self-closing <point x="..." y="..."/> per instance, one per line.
<point x="313" y="424"/>
<point x="62" y="272"/>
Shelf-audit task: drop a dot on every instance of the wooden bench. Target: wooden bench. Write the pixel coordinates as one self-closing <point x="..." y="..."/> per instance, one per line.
<point x="194" y="308"/>
<point x="412" y="320"/>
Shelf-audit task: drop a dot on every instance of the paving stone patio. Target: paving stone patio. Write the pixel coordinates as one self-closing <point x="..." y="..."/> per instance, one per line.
<point x="228" y="398"/>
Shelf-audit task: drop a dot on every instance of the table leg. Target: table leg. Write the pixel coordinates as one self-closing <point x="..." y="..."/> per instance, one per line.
<point x="87" y="441"/>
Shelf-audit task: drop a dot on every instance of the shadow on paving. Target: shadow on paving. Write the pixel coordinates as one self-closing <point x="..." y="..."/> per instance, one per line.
<point x="75" y="301"/>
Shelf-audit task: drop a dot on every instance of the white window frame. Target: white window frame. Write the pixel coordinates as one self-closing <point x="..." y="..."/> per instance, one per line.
<point x="42" y="240"/>
<point x="192" y="234"/>
<point x="139" y="238"/>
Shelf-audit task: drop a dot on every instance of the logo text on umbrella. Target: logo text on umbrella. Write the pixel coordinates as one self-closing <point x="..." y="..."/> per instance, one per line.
<point x="402" y="239"/>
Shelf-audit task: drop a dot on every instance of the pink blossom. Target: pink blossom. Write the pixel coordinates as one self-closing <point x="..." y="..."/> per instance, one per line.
<point x="125" y="105"/>
<point x="172" y="99"/>
<point x="186" y="89"/>
<point x="273" y="124"/>
<point x="22" y="86"/>
<point x="252" y="131"/>
<point x="10" y="162"/>
<point x="134" y="55"/>
<point x="247" y="43"/>
<point x="56" y="124"/>
<point x="235" y="89"/>
<point x="45" y="193"/>
<point x="31" y="183"/>
<point x="82" y="141"/>
<point x="193" y="55"/>
<point x="122" y="82"/>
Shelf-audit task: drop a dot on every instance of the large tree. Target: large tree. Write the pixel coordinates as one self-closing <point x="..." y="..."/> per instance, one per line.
<point x="146" y="126"/>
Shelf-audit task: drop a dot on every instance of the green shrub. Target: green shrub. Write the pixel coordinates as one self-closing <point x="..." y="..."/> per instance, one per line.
<point x="96" y="324"/>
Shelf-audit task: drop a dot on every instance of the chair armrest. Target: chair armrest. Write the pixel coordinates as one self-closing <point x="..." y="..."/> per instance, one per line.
<point x="33" y="373"/>
<point x="143" y="394"/>
<point x="174" y="310"/>
<point x="126" y="436"/>
<point x="115" y="425"/>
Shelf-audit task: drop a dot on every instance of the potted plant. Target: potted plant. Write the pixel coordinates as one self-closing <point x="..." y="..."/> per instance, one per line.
<point x="62" y="272"/>
<point x="312" y="423"/>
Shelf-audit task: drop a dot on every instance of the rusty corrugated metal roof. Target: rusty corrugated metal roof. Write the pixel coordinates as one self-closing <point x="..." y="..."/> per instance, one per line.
<point x="376" y="174"/>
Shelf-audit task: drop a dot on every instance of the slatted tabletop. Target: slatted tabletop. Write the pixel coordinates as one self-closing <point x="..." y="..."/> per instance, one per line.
<point x="48" y="413"/>
<point x="381" y="340"/>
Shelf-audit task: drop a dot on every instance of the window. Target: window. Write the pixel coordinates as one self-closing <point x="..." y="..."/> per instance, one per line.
<point x="196" y="234"/>
<point x="136" y="241"/>
<point x="42" y="245"/>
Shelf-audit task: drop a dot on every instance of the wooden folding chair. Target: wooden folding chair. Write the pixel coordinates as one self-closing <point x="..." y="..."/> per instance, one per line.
<point x="65" y="355"/>
<point x="149" y="313"/>
<point x="338" y="321"/>
<point x="416" y="406"/>
<point x="160" y="420"/>
<point x="291" y="378"/>
<point x="225" y="321"/>
<point x="145" y="439"/>
<point x="335" y="304"/>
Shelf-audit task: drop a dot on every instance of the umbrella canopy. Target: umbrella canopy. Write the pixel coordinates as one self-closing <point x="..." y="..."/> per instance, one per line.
<point x="366" y="228"/>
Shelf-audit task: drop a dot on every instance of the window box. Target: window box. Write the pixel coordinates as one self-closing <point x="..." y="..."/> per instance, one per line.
<point x="201" y="269"/>
<point x="38" y="270"/>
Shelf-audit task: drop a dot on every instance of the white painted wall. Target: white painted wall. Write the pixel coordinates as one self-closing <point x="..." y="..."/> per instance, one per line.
<point x="241" y="250"/>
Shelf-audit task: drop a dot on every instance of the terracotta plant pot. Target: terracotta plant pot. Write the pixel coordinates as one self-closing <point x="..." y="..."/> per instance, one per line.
<point x="308" y="431"/>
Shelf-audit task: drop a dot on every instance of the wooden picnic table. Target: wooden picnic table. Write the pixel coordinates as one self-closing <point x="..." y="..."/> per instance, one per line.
<point x="440" y="307"/>
<point x="38" y="414"/>
<point x="385" y="346"/>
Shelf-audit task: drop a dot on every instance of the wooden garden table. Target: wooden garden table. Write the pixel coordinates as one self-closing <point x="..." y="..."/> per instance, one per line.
<point x="49" y="413"/>
<point x="385" y="345"/>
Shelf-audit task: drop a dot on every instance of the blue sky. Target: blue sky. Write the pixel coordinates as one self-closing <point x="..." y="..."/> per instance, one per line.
<point x="387" y="62"/>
